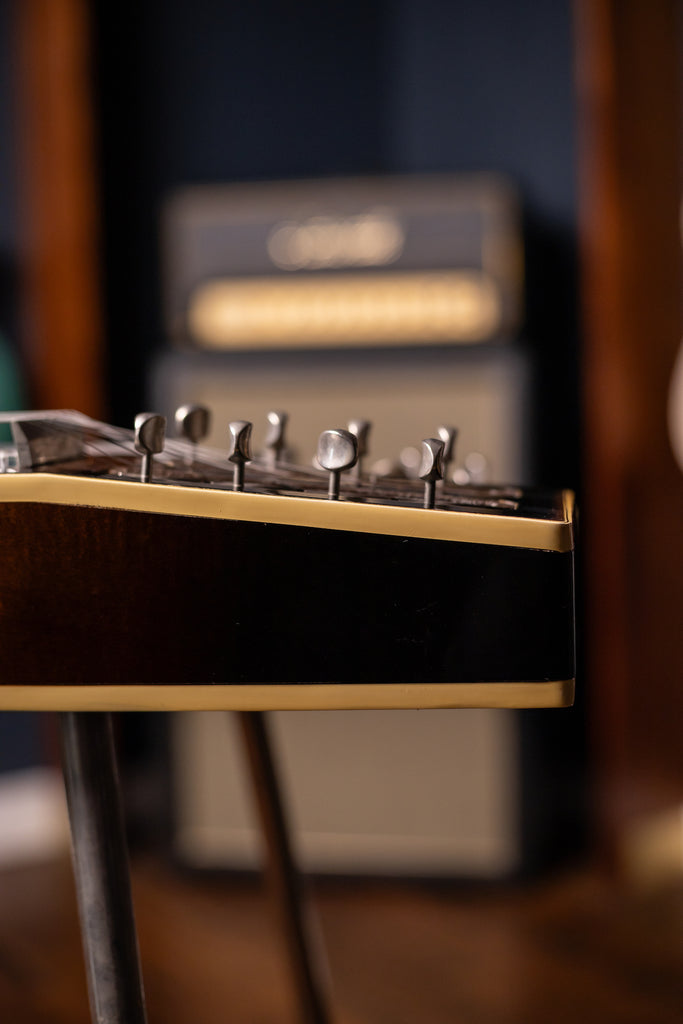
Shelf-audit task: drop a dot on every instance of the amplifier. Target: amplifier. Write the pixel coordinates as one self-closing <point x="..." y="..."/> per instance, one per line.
<point x="351" y="262"/>
<point x="396" y="300"/>
<point x="374" y="792"/>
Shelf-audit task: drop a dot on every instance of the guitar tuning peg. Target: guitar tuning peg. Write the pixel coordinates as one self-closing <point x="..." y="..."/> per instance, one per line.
<point x="449" y="436"/>
<point x="387" y="468"/>
<point x="409" y="460"/>
<point x="431" y="468"/>
<point x="275" y="436"/>
<point x="150" y="433"/>
<point x="239" y="451"/>
<point x="477" y="467"/>
<point x="337" y="452"/>
<point x="192" y="422"/>
<point x="474" y="471"/>
<point x="361" y="431"/>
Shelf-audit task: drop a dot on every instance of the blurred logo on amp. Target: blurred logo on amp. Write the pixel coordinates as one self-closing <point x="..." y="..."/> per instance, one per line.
<point x="371" y="239"/>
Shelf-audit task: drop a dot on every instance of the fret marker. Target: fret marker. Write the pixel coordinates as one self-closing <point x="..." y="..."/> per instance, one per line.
<point x="431" y="468"/>
<point x="150" y="431"/>
<point x="337" y="452"/>
<point x="239" y="452"/>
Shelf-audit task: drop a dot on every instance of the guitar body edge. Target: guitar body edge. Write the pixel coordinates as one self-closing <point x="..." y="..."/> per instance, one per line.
<point x="163" y="606"/>
<point x="288" y="697"/>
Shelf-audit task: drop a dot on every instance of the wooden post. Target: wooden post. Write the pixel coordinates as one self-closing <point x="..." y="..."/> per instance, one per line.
<point x="630" y="185"/>
<point x="58" y="223"/>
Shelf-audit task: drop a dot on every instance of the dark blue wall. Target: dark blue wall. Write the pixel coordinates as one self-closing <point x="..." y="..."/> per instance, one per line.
<point x="477" y="85"/>
<point x="485" y="84"/>
<point x="214" y="91"/>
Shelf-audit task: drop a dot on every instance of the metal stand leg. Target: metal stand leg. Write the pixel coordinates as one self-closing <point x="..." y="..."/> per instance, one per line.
<point x="100" y="862"/>
<point x="306" y="955"/>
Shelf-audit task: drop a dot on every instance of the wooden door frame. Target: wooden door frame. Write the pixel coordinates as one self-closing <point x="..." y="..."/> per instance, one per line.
<point x="61" y="331"/>
<point x="629" y="108"/>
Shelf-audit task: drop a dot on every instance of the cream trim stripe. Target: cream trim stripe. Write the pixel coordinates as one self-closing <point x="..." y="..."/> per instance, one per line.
<point x="467" y="527"/>
<point x="287" y="697"/>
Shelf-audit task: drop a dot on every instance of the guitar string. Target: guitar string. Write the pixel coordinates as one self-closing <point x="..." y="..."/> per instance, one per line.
<point x="201" y="463"/>
<point x="98" y="440"/>
<point x="102" y="440"/>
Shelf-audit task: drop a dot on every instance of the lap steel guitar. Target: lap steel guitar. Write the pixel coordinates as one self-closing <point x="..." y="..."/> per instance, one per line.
<point x="140" y="572"/>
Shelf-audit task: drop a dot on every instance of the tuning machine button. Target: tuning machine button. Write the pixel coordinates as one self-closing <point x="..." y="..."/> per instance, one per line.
<point x="275" y="436"/>
<point x="474" y="471"/>
<point x="150" y="432"/>
<point x="387" y="469"/>
<point x="192" y="422"/>
<point x="337" y="452"/>
<point x="361" y="431"/>
<point x="409" y="461"/>
<point x="477" y="466"/>
<point x="449" y="436"/>
<point x="431" y="467"/>
<point x="239" y="452"/>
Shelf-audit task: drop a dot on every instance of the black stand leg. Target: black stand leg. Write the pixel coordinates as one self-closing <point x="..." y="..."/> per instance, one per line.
<point x="305" y="954"/>
<point x="100" y="860"/>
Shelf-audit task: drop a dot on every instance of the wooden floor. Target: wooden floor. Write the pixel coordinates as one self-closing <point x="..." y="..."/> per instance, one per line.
<point x="568" y="951"/>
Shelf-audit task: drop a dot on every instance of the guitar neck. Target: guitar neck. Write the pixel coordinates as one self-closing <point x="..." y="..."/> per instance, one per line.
<point x="186" y="593"/>
<point x="67" y="443"/>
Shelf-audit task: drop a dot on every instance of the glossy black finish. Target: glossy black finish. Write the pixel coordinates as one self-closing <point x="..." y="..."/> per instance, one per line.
<point x="100" y="863"/>
<point x="121" y="597"/>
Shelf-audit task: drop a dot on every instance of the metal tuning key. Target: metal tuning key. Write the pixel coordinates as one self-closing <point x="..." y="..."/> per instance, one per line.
<point x="150" y="432"/>
<point x="409" y="461"/>
<point x="192" y="422"/>
<point x="431" y="468"/>
<point x="239" y="452"/>
<point x="361" y="431"/>
<point x="477" y="467"/>
<point x="449" y="436"/>
<point x="337" y="452"/>
<point x="275" y="437"/>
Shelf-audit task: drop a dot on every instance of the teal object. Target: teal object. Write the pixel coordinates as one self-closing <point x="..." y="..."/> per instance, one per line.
<point x="11" y="387"/>
<point x="20" y="739"/>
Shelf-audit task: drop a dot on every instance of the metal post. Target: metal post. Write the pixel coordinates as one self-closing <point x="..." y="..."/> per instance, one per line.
<point x="100" y="861"/>
<point x="306" y="953"/>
